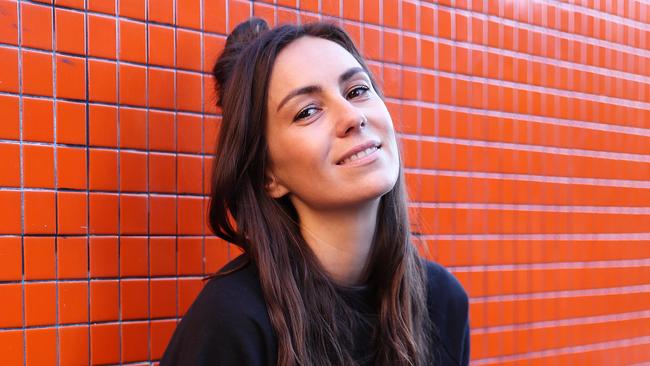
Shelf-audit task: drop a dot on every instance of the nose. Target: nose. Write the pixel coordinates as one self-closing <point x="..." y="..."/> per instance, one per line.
<point x="350" y="118"/>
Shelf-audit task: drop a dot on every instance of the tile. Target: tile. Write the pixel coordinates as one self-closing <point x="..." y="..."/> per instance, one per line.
<point x="73" y="302"/>
<point x="72" y="257"/>
<point x="9" y="25"/>
<point x="188" y="50"/>
<point x="135" y="341"/>
<point x="132" y="41"/>
<point x="12" y="350"/>
<point x="162" y="11"/>
<point x="134" y="299"/>
<point x="162" y="256"/>
<point x="103" y="257"/>
<point x="188" y="13"/>
<point x="133" y="128"/>
<point x="72" y="212"/>
<point x="161" y="88"/>
<point x="102" y="36"/>
<point x="216" y="254"/>
<point x="162" y="215"/>
<point x="189" y="133"/>
<point x="190" y="215"/>
<point x="189" y="169"/>
<point x="40" y="346"/>
<point x="71" y="123"/>
<point x="161" y="45"/>
<point x="188" y="289"/>
<point x="132" y="165"/>
<point x="162" y="131"/>
<point x="104" y="213"/>
<point x="190" y="256"/>
<point x="70" y="31"/>
<point x="103" y="169"/>
<point x="163" y="299"/>
<point x="102" y="125"/>
<point x="162" y="172"/>
<point x="10" y="165"/>
<point x="134" y="257"/>
<point x="38" y="120"/>
<point x="71" y="167"/>
<point x="11" y="306"/>
<point x="104" y="344"/>
<point x="39" y="259"/>
<point x="71" y="77"/>
<point x="10" y="128"/>
<point x="36" y="25"/>
<point x="39" y="212"/>
<point x="132" y="9"/>
<point x="104" y="304"/>
<point x="11" y="253"/>
<point x="73" y="345"/>
<point x="188" y="91"/>
<point x="214" y="19"/>
<point x="213" y="46"/>
<point x="102" y="6"/>
<point x="9" y="71"/>
<point x="161" y="332"/>
<point x="133" y="214"/>
<point x="10" y="216"/>
<point x="40" y="304"/>
<point x="102" y="86"/>
<point x="132" y="85"/>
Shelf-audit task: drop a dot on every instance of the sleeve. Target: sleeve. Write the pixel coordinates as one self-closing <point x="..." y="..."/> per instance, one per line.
<point x="217" y="331"/>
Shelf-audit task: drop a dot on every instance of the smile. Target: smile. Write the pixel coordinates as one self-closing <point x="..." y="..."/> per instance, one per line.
<point x="359" y="157"/>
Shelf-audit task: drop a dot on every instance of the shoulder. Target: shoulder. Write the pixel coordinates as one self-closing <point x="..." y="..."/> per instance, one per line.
<point x="226" y="324"/>
<point x="448" y="305"/>
<point x="443" y="287"/>
<point x="237" y="294"/>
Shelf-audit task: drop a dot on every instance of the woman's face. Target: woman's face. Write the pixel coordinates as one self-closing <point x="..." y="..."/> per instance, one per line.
<point x="321" y="153"/>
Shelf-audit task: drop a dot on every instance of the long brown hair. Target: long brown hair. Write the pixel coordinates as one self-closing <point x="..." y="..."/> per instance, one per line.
<point x="312" y="322"/>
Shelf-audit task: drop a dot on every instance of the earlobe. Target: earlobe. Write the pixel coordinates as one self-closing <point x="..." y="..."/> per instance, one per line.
<point x="273" y="187"/>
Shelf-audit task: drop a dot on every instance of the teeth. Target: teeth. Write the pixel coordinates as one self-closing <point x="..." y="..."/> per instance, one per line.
<point x="360" y="154"/>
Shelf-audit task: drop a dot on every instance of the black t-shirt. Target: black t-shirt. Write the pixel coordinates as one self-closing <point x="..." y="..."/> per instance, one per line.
<point x="228" y="325"/>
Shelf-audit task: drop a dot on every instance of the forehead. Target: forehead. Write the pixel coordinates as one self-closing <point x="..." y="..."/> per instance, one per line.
<point x="308" y="61"/>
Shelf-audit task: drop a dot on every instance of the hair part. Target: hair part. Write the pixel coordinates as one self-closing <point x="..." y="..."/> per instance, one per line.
<point x="312" y="322"/>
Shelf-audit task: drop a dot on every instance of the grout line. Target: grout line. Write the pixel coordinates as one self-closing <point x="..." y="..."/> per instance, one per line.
<point x="542" y="266"/>
<point x="537" y="237"/>
<point x="88" y="195"/>
<point x="566" y="322"/>
<point x="530" y="356"/>
<point x="621" y="210"/>
<point x="22" y="180"/>
<point x="56" y="176"/>
<point x="118" y="62"/>
<point x="508" y="146"/>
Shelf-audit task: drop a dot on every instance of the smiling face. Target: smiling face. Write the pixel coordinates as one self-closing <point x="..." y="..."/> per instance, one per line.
<point x="330" y="138"/>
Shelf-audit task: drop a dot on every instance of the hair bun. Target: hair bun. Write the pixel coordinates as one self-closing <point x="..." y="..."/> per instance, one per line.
<point x="243" y="34"/>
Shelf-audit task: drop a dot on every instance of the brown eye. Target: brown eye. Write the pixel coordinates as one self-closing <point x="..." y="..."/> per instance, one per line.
<point x="358" y="91"/>
<point x="306" y="113"/>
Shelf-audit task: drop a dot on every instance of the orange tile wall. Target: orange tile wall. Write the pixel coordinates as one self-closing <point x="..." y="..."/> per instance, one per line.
<point x="525" y="129"/>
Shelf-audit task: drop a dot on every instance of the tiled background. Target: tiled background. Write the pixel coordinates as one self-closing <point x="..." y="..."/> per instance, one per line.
<point x="525" y="127"/>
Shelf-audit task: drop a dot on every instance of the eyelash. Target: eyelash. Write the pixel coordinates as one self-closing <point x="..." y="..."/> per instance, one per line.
<point x="364" y="88"/>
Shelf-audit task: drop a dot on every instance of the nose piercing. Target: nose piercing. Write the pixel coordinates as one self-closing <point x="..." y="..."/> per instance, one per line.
<point x="363" y="121"/>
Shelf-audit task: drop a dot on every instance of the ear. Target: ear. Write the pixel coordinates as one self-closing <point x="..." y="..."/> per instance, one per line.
<point x="273" y="186"/>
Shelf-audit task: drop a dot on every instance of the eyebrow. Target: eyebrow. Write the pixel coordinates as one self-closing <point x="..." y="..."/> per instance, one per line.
<point x="310" y="89"/>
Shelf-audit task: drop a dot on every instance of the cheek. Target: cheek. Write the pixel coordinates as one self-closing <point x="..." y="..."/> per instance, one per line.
<point x="297" y="154"/>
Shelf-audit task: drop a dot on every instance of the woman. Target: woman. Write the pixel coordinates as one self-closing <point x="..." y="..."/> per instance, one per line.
<point x="308" y="182"/>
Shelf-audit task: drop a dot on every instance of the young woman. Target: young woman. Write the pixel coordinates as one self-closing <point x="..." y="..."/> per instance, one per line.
<point x="308" y="182"/>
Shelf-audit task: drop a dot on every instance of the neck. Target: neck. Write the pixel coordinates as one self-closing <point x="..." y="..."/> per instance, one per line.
<point x="341" y="238"/>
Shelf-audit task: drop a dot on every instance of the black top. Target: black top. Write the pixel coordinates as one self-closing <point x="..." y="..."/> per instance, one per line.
<point x="228" y="323"/>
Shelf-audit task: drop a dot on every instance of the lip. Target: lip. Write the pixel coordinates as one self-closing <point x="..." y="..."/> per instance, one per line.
<point x="357" y="149"/>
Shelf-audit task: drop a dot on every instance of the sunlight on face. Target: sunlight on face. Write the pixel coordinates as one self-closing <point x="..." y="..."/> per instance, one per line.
<point x="320" y="152"/>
